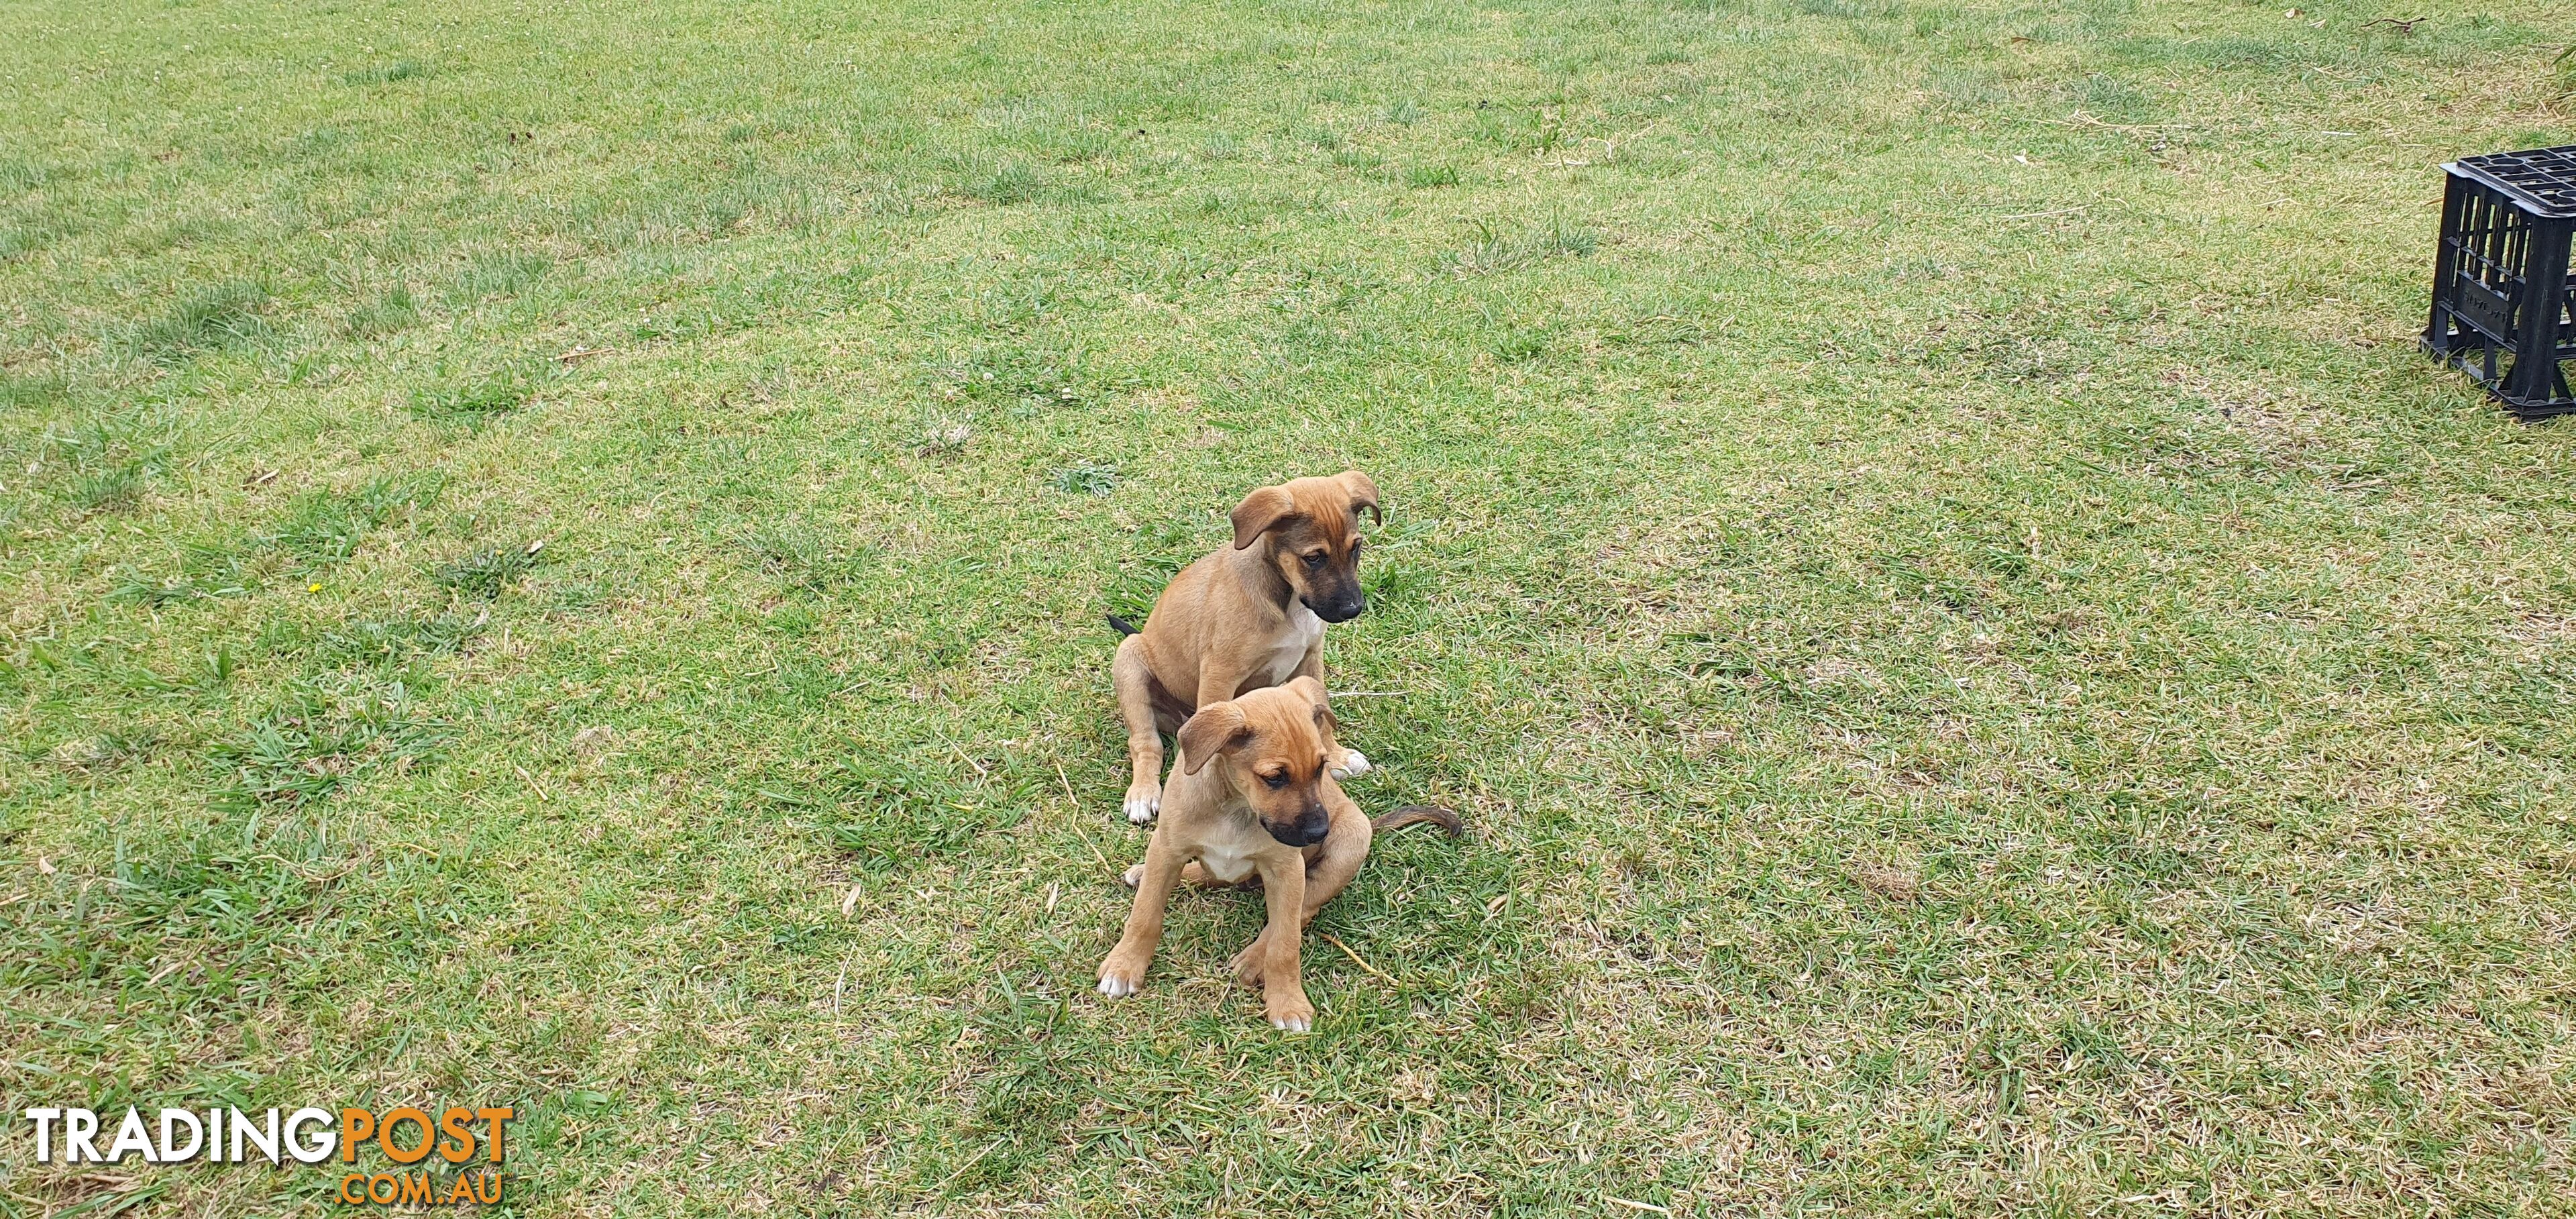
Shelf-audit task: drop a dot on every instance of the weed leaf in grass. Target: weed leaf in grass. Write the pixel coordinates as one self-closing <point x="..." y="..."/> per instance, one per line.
<point x="204" y="319"/>
<point x="19" y="177"/>
<point x="484" y="397"/>
<point x="1430" y="177"/>
<point x="326" y="527"/>
<point x="153" y="592"/>
<point x="385" y="643"/>
<point x="804" y="556"/>
<point x="1489" y="250"/>
<point x="1004" y="185"/>
<point x="401" y="69"/>
<point x="108" y="490"/>
<point x="894" y="810"/>
<point x="1086" y="478"/>
<point x="395" y="310"/>
<point x="305" y="755"/>
<point x="489" y="572"/>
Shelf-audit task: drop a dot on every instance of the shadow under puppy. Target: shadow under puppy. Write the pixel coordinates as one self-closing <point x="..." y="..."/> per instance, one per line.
<point x="1252" y="800"/>
<point x="1243" y="617"/>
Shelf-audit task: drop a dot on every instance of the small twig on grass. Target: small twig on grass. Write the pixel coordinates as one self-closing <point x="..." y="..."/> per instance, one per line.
<point x="1641" y="1206"/>
<point x="1105" y="865"/>
<point x="579" y="354"/>
<point x="1336" y="941"/>
<point x="1070" y="798"/>
<point x="2083" y="119"/>
<point x="980" y="769"/>
<point x="970" y="1163"/>
<point x="2063" y="211"/>
<point x="1369" y="693"/>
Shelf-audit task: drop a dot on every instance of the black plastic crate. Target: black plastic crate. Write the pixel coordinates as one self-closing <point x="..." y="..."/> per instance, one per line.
<point x="2504" y="306"/>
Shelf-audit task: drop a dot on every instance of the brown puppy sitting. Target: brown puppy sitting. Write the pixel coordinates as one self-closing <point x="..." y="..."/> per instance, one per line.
<point x="1247" y="616"/>
<point x="1252" y="799"/>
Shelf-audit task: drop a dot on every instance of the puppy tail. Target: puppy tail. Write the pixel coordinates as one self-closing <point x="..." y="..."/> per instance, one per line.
<point x="1430" y="814"/>
<point x="1121" y="625"/>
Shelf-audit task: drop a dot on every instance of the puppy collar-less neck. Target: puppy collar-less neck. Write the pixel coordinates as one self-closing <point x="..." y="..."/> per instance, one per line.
<point x="1232" y="803"/>
<point x="1275" y="587"/>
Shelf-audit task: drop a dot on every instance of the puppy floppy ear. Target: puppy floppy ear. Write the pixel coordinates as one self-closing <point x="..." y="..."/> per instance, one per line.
<point x="1217" y="728"/>
<point x="1363" y="491"/>
<point x="1267" y="508"/>
<point x="1312" y="691"/>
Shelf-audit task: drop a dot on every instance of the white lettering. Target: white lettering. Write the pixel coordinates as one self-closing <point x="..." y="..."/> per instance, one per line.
<point x="266" y="1143"/>
<point x="196" y="1135"/>
<point x="44" y="1120"/>
<point x="323" y="1144"/>
<point x="132" y="1135"/>
<point x="80" y="1127"/>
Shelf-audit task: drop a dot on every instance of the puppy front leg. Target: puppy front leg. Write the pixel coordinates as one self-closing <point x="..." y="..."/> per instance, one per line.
<point x="1220" y="680"/>
<point x="1283" y="983"/>
<point x="1133" y="679"/>
<point x="1122" y="972"/>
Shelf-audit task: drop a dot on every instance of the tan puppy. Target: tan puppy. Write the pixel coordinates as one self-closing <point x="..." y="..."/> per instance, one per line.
<point x="1252" y="799"/>
<point x="1247" y="616"/>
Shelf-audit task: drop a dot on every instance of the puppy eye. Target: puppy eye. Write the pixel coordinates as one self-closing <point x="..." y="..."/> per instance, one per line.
<point x="1316" y="559"/>
<point x="1275" y="781"/>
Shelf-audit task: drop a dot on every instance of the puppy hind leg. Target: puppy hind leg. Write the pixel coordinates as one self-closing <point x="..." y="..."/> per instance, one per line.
<point x="1337" y="858"/>
<point x="1328" y="871"/>
<point x="1133" y="679"/>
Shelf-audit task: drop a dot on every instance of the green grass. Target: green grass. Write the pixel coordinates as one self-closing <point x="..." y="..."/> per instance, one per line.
<point x="1985" y="673"/>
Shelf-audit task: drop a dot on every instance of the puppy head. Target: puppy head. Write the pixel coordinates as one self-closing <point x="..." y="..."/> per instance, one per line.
<point x="1313" y="528"/>
<point x="1275" y="744"/>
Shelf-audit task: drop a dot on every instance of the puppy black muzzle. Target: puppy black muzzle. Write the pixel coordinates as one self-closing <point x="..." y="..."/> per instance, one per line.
<point x="1340" y="608"/>
<point x="1309" y="828"/>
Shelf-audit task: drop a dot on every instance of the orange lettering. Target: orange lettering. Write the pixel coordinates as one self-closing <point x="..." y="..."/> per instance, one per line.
<point x="385" y="1135"/>
<point x="415" y="1189"/>
<point x="355" y="1126"/>
<point x="496" y="1117"/>
<point x="357" y="1179"/>
<point x="452" y="1124"/>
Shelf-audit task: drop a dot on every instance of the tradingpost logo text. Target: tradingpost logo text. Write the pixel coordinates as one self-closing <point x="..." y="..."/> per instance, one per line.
<point x="406" y="1135"/>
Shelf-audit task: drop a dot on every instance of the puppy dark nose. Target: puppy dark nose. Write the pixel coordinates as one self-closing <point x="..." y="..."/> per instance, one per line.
<point x="1302" y="834"/>
<point x="1344" y="609"/>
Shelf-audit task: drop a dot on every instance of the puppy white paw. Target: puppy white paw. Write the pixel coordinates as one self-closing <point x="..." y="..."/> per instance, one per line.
<point x="1134" y="876"/>
<point x="1143" y="801"/>
<point x="1354" y="764"/>
<point x="1289" y="1013"/>
<point x="1118" y="982"/>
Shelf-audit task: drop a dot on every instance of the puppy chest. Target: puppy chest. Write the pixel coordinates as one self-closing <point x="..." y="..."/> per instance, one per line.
<point x="1226" y="863"/>
<point x="1305" y="630"/>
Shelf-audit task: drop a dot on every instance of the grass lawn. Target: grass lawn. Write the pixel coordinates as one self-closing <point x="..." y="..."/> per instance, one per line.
<point x="556" y="553"/>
